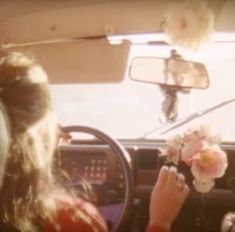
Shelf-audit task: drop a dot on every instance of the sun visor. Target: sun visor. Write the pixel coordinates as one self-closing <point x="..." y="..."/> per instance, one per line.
<point x="83" y="61"/>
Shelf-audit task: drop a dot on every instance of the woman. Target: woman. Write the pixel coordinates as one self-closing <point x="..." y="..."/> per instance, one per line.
<point x="30" y="197"/>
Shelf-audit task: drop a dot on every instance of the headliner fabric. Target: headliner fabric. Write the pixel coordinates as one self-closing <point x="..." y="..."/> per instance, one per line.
<point x="4" y="138"/>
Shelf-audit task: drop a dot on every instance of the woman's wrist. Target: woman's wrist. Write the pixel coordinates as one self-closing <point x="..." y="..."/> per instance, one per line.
<point x="156" y="228"/>
<point x="160" y="223"/>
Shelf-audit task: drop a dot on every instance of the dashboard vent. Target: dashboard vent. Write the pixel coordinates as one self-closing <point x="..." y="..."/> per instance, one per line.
<point x="148" y="159"/>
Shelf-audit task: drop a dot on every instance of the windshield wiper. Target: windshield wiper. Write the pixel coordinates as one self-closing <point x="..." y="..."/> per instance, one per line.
<point x="171" y="126"/>
<point x="196" y="115"/>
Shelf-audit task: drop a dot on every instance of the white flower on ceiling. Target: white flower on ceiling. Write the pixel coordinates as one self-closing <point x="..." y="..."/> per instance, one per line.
<point x="188" y="23"/>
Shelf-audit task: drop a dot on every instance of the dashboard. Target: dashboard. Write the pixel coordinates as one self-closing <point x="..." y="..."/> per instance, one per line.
<point x="101" y="168"/>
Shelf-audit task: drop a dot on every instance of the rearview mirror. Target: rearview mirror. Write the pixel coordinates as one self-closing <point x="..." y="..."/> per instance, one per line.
<point x="169" y="71"/>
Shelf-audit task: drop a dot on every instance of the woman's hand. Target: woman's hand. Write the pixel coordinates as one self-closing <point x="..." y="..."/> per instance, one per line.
<point x="228" y="223"/>
<point x="167" y="198"/>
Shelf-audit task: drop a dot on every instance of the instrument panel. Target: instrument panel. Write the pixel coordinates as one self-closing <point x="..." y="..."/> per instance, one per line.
<point x="89" y="165"/>
<point x="96" y="164"/>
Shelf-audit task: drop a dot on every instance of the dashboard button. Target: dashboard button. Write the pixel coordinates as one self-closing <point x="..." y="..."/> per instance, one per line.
<point x="120" y="176"/>
<point x="121" y="185"/>
<point x="119" y="166"/>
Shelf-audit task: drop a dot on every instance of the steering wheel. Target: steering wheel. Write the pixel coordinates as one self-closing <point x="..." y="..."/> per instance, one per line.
<point x="124" y="158"/>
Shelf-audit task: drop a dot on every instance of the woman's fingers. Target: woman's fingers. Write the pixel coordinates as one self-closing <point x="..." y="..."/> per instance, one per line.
<point x="169" y="177"/>
<point x="163" y="175"/>
<point x="228" y="222"/>
<point x="181" y="185"/>
<point x="180" y="181"/>
<point x="168" y="196"/>
<point x="172" y="175"/>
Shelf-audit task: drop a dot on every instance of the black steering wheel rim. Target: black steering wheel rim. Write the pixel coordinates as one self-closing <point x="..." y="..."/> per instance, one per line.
<point x="124" y="158"/>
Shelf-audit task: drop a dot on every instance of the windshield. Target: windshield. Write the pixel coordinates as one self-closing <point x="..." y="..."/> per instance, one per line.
<point x="130" y="110"/>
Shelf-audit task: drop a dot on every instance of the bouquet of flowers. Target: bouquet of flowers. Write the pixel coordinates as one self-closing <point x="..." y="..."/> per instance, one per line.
<point x="200" y="150"/>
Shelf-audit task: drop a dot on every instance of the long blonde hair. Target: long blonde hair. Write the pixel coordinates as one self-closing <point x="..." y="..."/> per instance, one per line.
<point x="32" y="137"/>
<point x="29" y="190"/>
<point x="5" y="139"/>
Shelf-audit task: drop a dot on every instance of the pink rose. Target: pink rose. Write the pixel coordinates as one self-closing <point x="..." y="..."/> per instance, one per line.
<point x="209" y="163"/>
<point x="200" y="133"/>
<point x="190" y="149"/>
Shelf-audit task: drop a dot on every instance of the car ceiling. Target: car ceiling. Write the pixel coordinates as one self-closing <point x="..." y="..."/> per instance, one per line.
<point x="40" y="20"/>
<point x="25" y="23"/>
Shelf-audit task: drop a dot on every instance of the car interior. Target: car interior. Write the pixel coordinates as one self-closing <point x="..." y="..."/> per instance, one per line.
<point x="121" y="87"/>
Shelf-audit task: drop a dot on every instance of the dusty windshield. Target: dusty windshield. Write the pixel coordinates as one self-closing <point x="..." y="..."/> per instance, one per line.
<point x="129" y="110"/>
